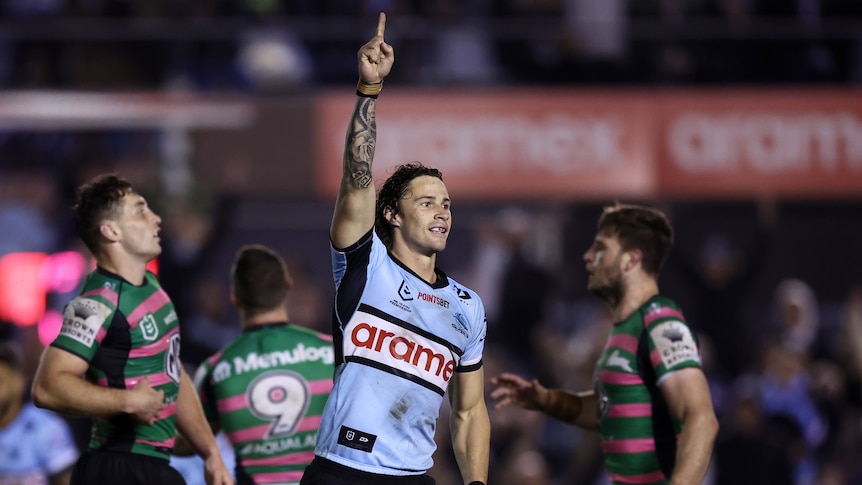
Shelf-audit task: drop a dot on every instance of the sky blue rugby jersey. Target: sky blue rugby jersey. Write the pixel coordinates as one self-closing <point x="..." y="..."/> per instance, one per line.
<point x="34" y="446"/>
<point x="398" y="341"/>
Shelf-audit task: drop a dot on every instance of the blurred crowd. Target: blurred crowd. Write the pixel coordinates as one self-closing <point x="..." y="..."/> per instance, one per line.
<point x="768" y="285"/>
<point x="285" y="45"/>
<point x="782" y="358"/>
<point x="771" y="286"/>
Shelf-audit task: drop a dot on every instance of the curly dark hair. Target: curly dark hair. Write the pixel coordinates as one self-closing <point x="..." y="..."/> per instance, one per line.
<point x="640" y="227"/>
<point x="96" y="201"/>
<point x="393" y="190"/>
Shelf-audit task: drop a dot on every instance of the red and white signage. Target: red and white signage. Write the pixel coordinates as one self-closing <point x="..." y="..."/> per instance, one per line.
<point x="574" y="144"/>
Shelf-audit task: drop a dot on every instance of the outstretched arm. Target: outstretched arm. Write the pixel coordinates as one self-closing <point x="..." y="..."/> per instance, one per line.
<point x="59" y="385"/>
<point x="579" y="409"/>
<point x="354" y="208"/>
<point x="470" y="425"/>
<point x="687" y="394"/>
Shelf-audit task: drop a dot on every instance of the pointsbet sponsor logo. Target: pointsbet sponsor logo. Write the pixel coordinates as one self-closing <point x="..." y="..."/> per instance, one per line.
<point x="433" y="299"/>
<point x="254" y="361"/>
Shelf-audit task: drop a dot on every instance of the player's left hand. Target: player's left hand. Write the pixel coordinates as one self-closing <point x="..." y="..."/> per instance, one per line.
<point x="514" y="390"/>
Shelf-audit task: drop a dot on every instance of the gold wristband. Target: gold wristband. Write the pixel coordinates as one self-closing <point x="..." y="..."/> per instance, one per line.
<point x="368" y="90"/>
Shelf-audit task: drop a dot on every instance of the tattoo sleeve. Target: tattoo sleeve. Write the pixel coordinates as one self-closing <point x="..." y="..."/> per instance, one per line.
<point x="359" y="147"/>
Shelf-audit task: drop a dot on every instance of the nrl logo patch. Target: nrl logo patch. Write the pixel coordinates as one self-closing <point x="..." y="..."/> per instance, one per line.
<point x="404" y="291"/>
<point x="149" y="327"/>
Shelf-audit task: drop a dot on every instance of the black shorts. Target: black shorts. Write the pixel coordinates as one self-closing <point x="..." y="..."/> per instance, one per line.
<point x="110" y="467"/>
<point x="326" y="472"/>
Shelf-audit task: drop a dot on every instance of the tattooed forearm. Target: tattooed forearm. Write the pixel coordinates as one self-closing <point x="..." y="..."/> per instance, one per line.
<point x="361" y="139"/>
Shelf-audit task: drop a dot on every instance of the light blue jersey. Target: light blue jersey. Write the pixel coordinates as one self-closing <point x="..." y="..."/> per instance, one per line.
<point x="398" y="341"/>
<point x="35" y="446"/>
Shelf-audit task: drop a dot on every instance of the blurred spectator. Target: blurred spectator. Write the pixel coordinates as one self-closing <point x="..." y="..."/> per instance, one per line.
<point x="463" y="50"/>
<point x="593" y="44"/>
<point x="720" y="276"/>
<point x="190" y="238"/>
<point x="24" y="8"/>
<point x="785" y="433"/>
<point x="847" y="347"/>
<point x="796" y="316"/>
<point x="211" y="323"/>
<point x="526" y="468"/>
<point x="308" y="306"/>
<point x="743" y="454"/>
<point x="274" y="61"/>
<point x="27" y="204"/>
<point x="570" y="341"/>
<point x="514" y="287"/>
<point x="831" y="474"/>
<point x="513" y="433"/>
<point x="719" y="382"/>
<point x="531" y="58"/>
<point x="276" y="45"/>
<point x="784" y="390"/>
<point x="600" y="27"/>
<point x="36" y="446"/>
<point x="803" y="58"/>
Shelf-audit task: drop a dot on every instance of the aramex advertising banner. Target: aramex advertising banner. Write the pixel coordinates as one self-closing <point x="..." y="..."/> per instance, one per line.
<point x="605" y="144"/>
<point x="792" y="143"/>
<point x="504" y="143"/>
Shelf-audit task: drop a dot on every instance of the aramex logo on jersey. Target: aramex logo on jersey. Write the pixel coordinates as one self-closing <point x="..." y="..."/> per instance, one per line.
<point x="373" y="338"/>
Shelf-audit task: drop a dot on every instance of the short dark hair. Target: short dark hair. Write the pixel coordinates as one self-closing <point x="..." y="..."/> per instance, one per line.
<point x="259" y="279"/>
<point x="640" y="227"/>
<point x="95" y="201"/>
<point x="393" y="190"/>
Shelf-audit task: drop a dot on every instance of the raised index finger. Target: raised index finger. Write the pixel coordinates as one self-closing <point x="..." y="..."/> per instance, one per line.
<point x="381" y="24"/>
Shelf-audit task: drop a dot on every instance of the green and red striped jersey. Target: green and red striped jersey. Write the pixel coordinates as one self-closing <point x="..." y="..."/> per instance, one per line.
<point x="126" y="332"/>
<point x="267" y="390"/>
<point x="637" y="432"/>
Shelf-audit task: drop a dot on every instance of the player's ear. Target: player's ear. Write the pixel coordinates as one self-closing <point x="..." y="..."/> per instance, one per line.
<point x="632" y="259"/>
<point x="109" y="230"/>
<point x="391" y="216"/>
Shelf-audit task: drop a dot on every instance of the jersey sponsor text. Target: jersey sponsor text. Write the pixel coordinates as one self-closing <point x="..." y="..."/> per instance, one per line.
<point x="433" y="299"/>
<point x="254" y="361"/>
<point x="281" y="445"/>
<point x="382" y="341"/>
<point x="82" y="320"/>
<point x="674" y="343"/>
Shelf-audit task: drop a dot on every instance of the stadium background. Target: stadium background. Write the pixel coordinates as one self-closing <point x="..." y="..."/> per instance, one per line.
<point x="741" y="118"/>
